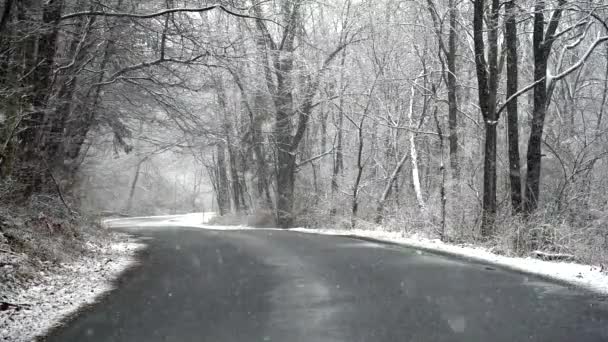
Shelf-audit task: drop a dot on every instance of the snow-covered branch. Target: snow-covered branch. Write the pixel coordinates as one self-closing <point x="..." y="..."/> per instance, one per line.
<point x="310" y="160"/>
<point x="580" y="62"/>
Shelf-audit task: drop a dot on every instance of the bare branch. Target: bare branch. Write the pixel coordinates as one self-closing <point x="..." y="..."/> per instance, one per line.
<point x="518" y="94"/>
<point x="160" y="13"/>
<point x="598" y="41"/>
<point x="310" y="160"/>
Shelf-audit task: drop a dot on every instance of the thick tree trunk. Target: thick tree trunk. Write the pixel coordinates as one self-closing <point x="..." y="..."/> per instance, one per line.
<point x="538" y="114"/>
<point x="81" y="119"/>
<point x="31" y="161"/>
<point x="236" y="183"/>
<point x="257" y="118"/>
<point x="47" y="48"/>
<point x="534" y="154"/>
<point x="287" y="142"/>
<point x="56" y="122"/>
<point x="53" y="140"/>
<point x="542" y="43"/>
<point x="283" y="101"/>
<point x="286" y="157"/>
<point x="26" y="51"/>
<point x="285" y="187"/>
<point x="452" y="86"/>
<point x="487" y="79"/>
<point x="488" y="217"/>
<point x="263" y="184"/>
<point x="512" y="107"/>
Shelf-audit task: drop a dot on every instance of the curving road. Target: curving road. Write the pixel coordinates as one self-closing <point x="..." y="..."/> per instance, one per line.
<point x="264" y="285"/>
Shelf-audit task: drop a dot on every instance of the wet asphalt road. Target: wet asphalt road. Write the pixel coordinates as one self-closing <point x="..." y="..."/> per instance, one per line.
<point x="261" y="285"/>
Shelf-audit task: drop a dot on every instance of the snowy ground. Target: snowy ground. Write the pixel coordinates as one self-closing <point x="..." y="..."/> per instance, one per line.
<point x="587" y="276"/>
<point x="195" y="220"/>
<point x="59" y="291"/>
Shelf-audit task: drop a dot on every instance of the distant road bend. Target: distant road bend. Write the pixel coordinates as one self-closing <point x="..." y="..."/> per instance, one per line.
<point x="270" y="285"/>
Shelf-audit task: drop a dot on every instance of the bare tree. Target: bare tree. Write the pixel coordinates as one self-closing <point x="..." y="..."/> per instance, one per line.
<point x="487" y="79"/>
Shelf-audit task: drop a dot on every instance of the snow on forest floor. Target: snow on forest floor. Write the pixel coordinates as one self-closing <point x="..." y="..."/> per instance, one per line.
<point x="56" y="292"/>
<point x="586" y="276"/>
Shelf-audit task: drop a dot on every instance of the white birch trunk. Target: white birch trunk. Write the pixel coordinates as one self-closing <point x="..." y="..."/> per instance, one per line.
<point x="414" y="152"/>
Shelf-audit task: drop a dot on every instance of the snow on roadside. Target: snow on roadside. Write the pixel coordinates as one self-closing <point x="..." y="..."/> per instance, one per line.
<point x="586" y="276"/>
<point x="193" y="220"/>
<point x="60" y="291"/>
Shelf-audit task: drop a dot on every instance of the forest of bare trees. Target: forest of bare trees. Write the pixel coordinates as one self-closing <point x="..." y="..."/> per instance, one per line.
<point x="462" y="120"/>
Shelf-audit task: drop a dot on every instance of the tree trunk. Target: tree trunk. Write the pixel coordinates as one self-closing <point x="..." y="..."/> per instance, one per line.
<point x="389" y="186"/>
<point x="512" y="107"/>
<point x="286" y="141"/>
<point x="487" y="79"/>
<point x="286" y="157"/>
<point x="56" y="122"/>
<point x="442" y="192"/>
<point x="360" y="166"/>
<point x="542" y="43"/>
<point x="338" y="166"/>
<point x="32" y="167"/>
<point x="79" y="125"/>
<point x="338" y="160"/>
<point x="244" y="192"/>
<point x="488" y="217"/>
<point x="235" y="180"/>
<point x="452" y="86"/>
<point x="285" y="187"/>
<point x="263" y="186"/>
<point x="414" y="152"/>
<point x="257" y="119"/>
<point x="222" y="195"/>
<point x="134" y="186"/>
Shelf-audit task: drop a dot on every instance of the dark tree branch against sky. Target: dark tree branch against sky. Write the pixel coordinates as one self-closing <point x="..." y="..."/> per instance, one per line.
<point x="222" y="8"/>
